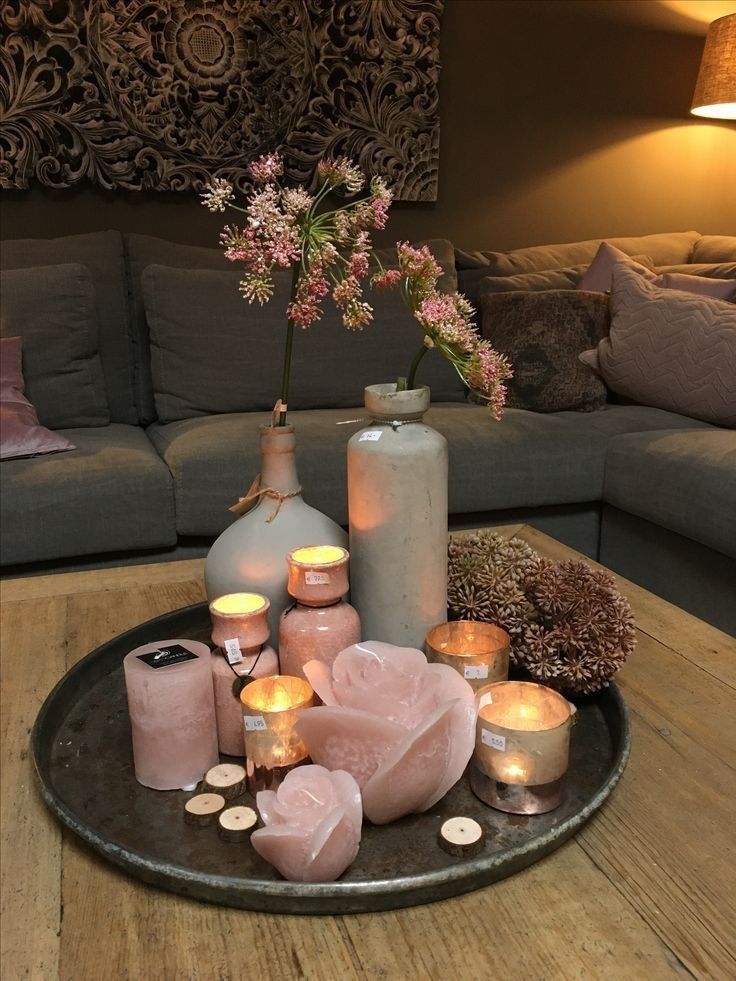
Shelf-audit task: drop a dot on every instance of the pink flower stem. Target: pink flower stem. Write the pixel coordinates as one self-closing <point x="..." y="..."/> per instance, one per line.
<point x="295" y="269"/>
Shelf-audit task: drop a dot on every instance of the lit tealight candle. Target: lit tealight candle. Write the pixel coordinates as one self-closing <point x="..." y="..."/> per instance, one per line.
<point x="521" y="748"/>
<point x="477" y="651"/>
<point x="318" y="574"/>
<point x="271" y="709"/>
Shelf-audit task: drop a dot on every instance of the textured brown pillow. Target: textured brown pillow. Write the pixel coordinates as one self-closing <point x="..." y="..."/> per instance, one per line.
<point x="20" y="432"/>
<point x="542" y="334"/>
<point x="670" y="349"/>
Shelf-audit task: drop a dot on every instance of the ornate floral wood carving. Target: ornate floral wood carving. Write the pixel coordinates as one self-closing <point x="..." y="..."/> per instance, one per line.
<point x="162" y="94"/>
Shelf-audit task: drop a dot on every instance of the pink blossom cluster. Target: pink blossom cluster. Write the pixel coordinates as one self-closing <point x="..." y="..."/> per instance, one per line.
<point x="341" y="172"/>
<point x="446" y="319"/>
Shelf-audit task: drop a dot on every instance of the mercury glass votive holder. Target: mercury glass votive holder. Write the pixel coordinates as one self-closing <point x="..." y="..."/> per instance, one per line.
<point x="478" y="651"/>
<point x="271" y="709"/>
<point x="522" y="747"/>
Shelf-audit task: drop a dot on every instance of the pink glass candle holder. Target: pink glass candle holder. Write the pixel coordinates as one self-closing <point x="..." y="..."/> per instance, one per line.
<point x="172" y="713"/>
<point x="522" y="747"/>
<point x="478" y="651"/>
<point x="320" y="624"/>
<point x="240" y="631"/>
<point x="271" y="709"/>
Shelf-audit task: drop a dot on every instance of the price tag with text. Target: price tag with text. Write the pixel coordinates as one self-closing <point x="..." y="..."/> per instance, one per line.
<point x="493" y="740"/>
<point x="371" y="436"/>
<point x="473" y="672"/>
<point x="232" y="651"/>
<point x="312" y="578"/>
<point x="254" y="723"/>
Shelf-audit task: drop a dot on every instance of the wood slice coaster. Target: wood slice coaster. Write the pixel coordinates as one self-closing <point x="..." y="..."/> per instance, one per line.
<point x="461" y="837"/>
<point x="227" y="779"/>
<point x="203" y="809"/>
<point x="236" y="823"/>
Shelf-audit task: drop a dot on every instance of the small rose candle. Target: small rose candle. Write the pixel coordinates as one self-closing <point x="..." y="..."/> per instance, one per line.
<point x="478" y="651"/>
<point x="172" y="713"/>
<point x="271" y="709"/>
<point x="320" y="624"/>
<point x="521" y="748"/>
<point x="240" y="631"/>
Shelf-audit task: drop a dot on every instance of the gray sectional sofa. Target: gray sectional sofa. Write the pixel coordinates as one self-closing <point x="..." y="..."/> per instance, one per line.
<point x="649" y="493"/>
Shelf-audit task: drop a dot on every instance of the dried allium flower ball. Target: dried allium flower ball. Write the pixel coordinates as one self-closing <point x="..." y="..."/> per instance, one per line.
<point x="583" y="628"/>
<point x="484" y="572"/>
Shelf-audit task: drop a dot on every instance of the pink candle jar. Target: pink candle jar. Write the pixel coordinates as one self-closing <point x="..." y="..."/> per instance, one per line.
<point x="320" y="624"/>
<point x="240" y="631"/>
<point x="172" y="713"/>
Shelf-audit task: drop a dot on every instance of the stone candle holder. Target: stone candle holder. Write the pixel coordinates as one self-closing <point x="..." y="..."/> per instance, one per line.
<point x="271" y="709"/>
<point x="320" y="624"/>
<point x="521" y="748"/>
<point x="240" y="631"/>
<point x="478" y="651"/>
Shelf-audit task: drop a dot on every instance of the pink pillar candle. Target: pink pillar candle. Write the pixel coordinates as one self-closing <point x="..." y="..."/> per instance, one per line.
<point x="320" y="625"/>
<point x="172" y="713"/>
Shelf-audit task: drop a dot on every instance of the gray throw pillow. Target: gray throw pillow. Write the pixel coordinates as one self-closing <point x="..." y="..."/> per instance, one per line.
<point x="52" y="308"/>
<point x="213" y="352"/>
<point x="543" y="334"/>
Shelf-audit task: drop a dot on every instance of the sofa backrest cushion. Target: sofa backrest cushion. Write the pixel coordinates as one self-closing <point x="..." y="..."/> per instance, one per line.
<point x="52" y="308"/>
<point x="715" y="248"/>
<point x="102" y="254"/>
<point x="711" y="270"/>
<point x="669" y="247"/>
<point x="213" y="352"/>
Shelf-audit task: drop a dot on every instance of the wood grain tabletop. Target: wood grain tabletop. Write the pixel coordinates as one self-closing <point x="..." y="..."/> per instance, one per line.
<point x="646" y="890"/>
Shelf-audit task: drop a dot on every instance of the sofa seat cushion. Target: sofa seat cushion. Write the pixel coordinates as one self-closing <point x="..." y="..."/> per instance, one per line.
<point x="112" y="493"/>
<point x="684" y="481"/>
<point x="526" y="460"/>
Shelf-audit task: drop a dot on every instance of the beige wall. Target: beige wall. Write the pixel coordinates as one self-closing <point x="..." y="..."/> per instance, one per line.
<point x="557" y="124"/>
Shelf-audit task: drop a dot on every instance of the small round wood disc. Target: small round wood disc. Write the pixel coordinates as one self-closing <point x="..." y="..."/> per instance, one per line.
<point x="461" y="837"/>
<point x="202" y="809"/>
<point x="236" y="823"/>
<point x="227" y="779"/>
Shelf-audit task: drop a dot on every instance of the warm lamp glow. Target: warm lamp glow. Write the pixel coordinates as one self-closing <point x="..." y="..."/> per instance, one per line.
<point x="236" y="604"/>
<point x="715" y="89"/>
<point x="313" y="555"/>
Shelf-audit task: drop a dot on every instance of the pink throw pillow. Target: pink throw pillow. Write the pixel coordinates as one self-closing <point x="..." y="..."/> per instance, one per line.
<point x="597" y="277"/>
<point x="20" y="432"/>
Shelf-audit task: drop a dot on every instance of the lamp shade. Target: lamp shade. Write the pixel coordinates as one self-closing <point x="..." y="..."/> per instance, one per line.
<point x="715" y="90"/>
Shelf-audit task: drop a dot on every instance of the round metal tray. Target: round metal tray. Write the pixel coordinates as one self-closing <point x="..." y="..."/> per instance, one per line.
<point x="82" y="752"/>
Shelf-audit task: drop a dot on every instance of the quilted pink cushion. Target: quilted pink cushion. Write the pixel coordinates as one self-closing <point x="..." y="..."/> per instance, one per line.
<point x="670" y="349"/>
<point x="20" y="432"/>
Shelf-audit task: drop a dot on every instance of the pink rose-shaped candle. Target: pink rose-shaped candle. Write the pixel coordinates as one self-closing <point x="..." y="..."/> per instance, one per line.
<point x="313" y="824"/>
<point x="404" y="729"/>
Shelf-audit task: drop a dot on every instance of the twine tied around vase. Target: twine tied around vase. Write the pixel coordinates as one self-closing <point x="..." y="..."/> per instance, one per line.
<point x="254" y="495"/>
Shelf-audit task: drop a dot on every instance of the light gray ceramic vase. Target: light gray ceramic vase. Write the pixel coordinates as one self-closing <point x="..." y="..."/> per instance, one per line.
<point x="250" y="555"/>
<point x="397" y="496"/>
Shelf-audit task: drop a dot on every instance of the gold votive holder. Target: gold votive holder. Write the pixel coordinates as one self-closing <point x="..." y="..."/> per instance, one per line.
<point x="318" y="574"/>
<point x="522" y="746"/>
<point x="240" y="617"/>
<point x="478" y="651"/>
<point x="271" y="709"/>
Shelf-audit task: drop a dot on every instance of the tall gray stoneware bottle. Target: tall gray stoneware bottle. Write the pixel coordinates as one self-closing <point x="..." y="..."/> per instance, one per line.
<point x="250" y="555"/>
<point x="397" y="498"/>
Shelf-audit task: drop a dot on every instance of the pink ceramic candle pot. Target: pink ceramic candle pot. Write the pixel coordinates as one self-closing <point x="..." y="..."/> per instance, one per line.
<point x="240" y="623"/>
<point x="313" y="824"/>
<point x="172" y="713"/>
<point x="320" y="625"/>
<point x="405" y="729"/>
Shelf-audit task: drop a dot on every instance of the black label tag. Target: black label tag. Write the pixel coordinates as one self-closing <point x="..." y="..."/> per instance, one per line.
<point x="166" y="656"/>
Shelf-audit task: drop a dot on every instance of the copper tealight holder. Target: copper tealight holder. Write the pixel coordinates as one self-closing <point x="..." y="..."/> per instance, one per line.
<point x="478" y="651"/>
<point x="522" y="746"/>
<point x="271" y="709"/>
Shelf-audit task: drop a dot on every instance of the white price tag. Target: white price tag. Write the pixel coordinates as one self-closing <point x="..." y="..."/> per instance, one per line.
<point x="371" y="436"/>
<point x="312" y="578"/>
<point x="254" y="723"/>
<point x="493" y="740"/>
<point x="232" y="651"/>
<point x="473" y="672"/>
<point x="485" y="699"/>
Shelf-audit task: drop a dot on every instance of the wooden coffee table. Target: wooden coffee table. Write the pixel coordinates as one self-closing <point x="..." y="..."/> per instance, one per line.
<point x="646" y="890"/>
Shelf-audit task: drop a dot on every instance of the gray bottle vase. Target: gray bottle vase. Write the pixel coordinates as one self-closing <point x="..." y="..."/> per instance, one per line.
<point x="250" y="555"/>
<point x="397" y="496"/>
